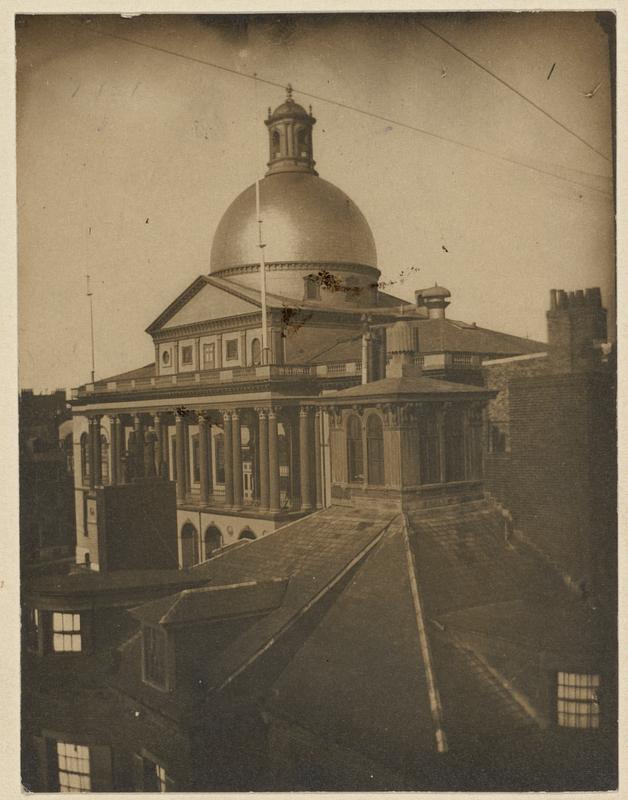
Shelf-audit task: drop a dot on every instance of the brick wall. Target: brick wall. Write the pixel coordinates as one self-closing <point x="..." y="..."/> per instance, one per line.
<point x="562" y="467"/>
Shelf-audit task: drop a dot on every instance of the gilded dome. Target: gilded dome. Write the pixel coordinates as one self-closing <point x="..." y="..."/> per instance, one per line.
<point x="305" y="219"/>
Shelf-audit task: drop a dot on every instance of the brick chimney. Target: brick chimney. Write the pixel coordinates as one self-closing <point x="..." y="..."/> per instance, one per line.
<point x="576" y="326"/>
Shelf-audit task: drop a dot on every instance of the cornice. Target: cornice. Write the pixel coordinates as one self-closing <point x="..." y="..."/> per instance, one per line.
<point x="280" y="266"/>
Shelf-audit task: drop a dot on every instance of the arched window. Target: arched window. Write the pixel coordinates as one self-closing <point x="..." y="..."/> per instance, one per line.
<point x="104" y="458"/>
<point x="85" y="465"/>
<point x="189" y="545"/>
<point x="276" y="144"/>
<point x="302" y="142"/>
<point x="256" y="352"/>
<point x="247" y="533"/>
<point x="219" y="444"/>
<point x="213" y="540"/>
<point x="375" y="450"/>
<point x="355" y="457"/>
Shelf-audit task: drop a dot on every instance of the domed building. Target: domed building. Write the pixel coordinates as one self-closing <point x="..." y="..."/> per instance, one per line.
<point x="309" y="225"/>
<point x="228" y="411"/>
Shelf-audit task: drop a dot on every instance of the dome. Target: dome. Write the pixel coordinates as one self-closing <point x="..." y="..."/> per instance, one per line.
<point x="305" y="219"/>
<point x="289" y="109"/>
<point x="435" y="291"/>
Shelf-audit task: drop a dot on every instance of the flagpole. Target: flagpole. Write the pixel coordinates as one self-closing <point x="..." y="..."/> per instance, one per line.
<point x="262" y="271"/>
<point x="91" y="323"/>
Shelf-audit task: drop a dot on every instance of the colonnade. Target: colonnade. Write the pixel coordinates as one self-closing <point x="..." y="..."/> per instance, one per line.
<point x="145" y="452"/>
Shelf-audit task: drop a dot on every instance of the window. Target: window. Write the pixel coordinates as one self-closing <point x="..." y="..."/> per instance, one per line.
<point x="213" y="540"/>
<point x="578" y="705"/>
<point x="154" y="776"/>
<point x="219" y="444"/>
<point x="498" y="436"/>
<point x="66" y="632"/>
<point x="429" y="450"/>
<point x="74" y="772"/>
<point x="187" y="355"/>
<point x="209" y="356"/>
<point x="256" y="352"/>
<point x="375" y="450"/>
<point x="31" y="625"/>
<point x="154" y="642"/>
<point x="276" y="144"/>
<point x="104" y="459"/>
<point x="247" y="533"/>
<point x="312" y="288"/>
<point x="196" y="459"/>
<point x="454" y="446"/>
<point x="85" y="465"/>
<point x="189" y="545"/>
<point x="355" y="460"/>
<point x="232" y="350"/>
<point x="165" y="358"/>
<point x="302" y="142"/>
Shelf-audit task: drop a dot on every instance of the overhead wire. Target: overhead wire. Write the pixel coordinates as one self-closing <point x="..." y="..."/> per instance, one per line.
<point x="347" y="106"/>
<point x="513" y="89"/>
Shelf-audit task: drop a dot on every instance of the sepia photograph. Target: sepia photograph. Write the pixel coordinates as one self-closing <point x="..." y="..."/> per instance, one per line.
<point x="317" y="402"/>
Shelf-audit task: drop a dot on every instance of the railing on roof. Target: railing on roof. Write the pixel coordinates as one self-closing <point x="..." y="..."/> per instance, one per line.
<point x="221" y="376"/>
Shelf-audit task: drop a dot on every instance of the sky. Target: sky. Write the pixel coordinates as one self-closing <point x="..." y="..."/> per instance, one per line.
<point x="127" y="157"/>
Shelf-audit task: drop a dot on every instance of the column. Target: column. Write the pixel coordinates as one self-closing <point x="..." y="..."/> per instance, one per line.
<point x="305" y="454"/>
<point x="317" y="459"/>
<point x="238" y="498"/>
<point x="91" y="453"/>
<point x="159" y="444"/>
<point x="138" y="427"/>
<point x="114" y="442"/>
<point x="149" y="454"/>
<point x="263" y="460"/>
<point x="210" y="473"/>
<point x="202" y="455"/>
<point x="228" y="451"/>
<point x="186" y="457"/>
<point x="273" y="462"/>
<point x="97" y="471"/>
<point x="180" y="430"/>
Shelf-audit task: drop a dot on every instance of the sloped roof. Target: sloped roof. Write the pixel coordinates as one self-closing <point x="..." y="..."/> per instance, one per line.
<point x="147" y="371"/>
<point x="408" y="386"/>
<point x="214" y="602"/>
<point x="450" y="335"/>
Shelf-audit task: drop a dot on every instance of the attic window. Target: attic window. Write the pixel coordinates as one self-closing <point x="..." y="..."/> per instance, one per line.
<point x="187" y="354"/>
<point x="578" y="704"/>
<point x="154" y="652"/>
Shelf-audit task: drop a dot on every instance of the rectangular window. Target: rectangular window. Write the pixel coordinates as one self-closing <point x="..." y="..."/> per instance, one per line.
<point x="187" y="354"/>
<point x="232" y="350"/>
<point x="154" y="641"/>
<point x="196" y="460"/>
<point x="74" y="770"/>
<point x="219" y="460"/>
<point x="312" y="288"/>
<point x="578" y="703"/>
<point x="66" y="632"/>
<point x="209" y="356"/>
<point x="32" y="629"/>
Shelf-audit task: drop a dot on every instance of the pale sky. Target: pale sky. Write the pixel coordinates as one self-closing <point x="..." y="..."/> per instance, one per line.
<point x="147" y="150"/>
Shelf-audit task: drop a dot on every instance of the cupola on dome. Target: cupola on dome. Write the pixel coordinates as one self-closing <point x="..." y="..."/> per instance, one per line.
<point x="308" y="224"/>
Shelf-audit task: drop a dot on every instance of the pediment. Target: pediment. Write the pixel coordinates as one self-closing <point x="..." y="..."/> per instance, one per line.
<point x="203" y="301"/>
